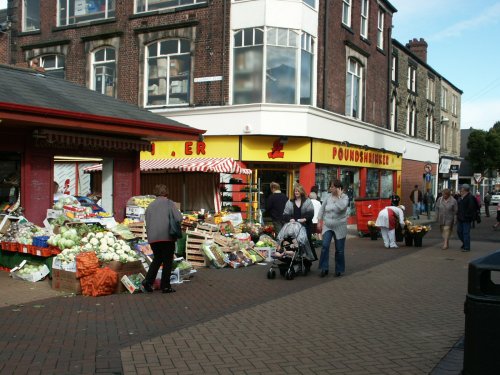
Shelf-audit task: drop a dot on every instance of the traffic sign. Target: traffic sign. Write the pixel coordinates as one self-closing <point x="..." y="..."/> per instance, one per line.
<point x="477" y="177"/>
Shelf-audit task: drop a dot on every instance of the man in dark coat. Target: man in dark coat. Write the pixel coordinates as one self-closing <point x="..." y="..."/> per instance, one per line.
<point x="467" y="209"/>
<point x="275" y="206"/>
<point x="416" y="198"/>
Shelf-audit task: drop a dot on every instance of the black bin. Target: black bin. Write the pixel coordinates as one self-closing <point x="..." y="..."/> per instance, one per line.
<point x="482" y="317"/>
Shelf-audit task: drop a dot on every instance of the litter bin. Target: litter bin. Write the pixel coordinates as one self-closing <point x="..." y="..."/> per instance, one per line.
<point x="482" y="317"/>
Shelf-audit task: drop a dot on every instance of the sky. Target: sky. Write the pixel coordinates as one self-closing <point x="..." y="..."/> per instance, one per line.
<point x="462" y="37"/>
<point x="463" y="47"/>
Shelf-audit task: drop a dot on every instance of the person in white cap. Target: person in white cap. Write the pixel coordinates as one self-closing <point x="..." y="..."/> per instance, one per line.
<point x="387" y="220"/>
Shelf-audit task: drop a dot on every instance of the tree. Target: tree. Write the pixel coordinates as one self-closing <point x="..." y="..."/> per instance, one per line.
<point x="484" y="150"/>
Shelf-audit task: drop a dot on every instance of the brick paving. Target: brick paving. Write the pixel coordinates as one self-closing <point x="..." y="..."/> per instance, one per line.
<point x="394" y="312"/>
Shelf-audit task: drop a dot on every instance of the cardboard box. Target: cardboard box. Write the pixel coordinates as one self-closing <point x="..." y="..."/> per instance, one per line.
<point x="125" y="269"/>
<point x="59" y="265"/>
<point x="32" y="277"/>
<point x="65" y="281"/>
<point x="128" y="282"/>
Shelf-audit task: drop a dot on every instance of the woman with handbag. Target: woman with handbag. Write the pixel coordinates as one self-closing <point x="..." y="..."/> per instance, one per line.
<point x="446" y="211"/>
<point x="163" y="229"/>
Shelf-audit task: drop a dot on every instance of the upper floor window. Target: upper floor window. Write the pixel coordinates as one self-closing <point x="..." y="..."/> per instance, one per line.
<point x="284" y="75"/>
<point x="151" y="5"/>
<point x="444" y="98"/>
<point x="104" y="68"/>
<point x="429" y="127"/>
<point x="394" y="68"/>
<point x="454" y="101"/>
<point x="168" y="73"/>
<point x="430" y="89"/>
<point x="53" y="65"/>
<point x="364" y="18"/>
<point x="412" y="78"/>
<point x="76" y="11"/>
<point x="346" y="12"/>
<point x="394" y="112"/>
<point x="31" y="15"/>
<point x="411" y="119"/>
<point x="354" y="88"/>
<point x="380" y="30"/>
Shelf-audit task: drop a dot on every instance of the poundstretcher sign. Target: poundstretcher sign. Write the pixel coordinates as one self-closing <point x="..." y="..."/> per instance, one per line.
<point x="349" y="154"/>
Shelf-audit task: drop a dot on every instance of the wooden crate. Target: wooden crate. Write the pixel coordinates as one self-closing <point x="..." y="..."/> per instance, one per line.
<point x="138" y="229"/>
<point x="194" y="254"/>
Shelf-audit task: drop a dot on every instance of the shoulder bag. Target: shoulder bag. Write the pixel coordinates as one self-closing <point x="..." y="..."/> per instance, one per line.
<point x="174" y="226"/>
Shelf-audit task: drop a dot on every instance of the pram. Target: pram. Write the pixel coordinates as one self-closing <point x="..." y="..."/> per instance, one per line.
<point x="293" y="256"/>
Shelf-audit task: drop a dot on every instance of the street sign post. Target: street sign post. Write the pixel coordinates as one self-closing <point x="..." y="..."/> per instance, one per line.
<point x="478" y="177"/>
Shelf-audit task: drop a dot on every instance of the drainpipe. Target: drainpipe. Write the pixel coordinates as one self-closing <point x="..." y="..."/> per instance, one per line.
<point x="325" y="46"/>
<point x="223" y="102"/>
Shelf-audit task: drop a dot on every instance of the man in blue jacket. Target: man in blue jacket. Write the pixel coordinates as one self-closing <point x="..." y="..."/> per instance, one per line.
<point x="467" y="209"/>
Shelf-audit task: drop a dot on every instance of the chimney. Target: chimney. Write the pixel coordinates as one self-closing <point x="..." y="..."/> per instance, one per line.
<point x="418" y="48"/>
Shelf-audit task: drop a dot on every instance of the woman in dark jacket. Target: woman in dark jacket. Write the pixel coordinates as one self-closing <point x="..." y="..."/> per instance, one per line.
<point x="162" y="244"/>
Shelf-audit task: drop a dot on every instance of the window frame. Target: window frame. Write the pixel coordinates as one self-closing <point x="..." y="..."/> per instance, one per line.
<point x="411" y="83"/>
<point x="454" y="101"/>
<point x="25" y="16"/>
<point x="431" y="84"/>
<point x="109" y="13"/>
<point x="393" y="112"/>
<point x="380" y="29"/>
<point x="95" y="64"/>
<point x="411" y="119"/>
<point x="429" y="126"/>
<point x="358" y="74"/>
<point x="346" y="12"/>
<point x="444" y="98"/>
<point x="180" y="4"/>
<point x="394" y="68"/>
<point x="364" y="24"/>
<point x="60" y="64"/>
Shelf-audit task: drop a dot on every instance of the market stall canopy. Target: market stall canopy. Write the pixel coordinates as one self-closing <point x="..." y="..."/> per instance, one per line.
<point x="31" y="99"/>
<point x="211" y="165"/>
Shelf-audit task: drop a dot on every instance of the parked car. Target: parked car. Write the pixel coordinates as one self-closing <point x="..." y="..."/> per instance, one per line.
<point x="495" y="198"/>
<point x="87" y="202"/>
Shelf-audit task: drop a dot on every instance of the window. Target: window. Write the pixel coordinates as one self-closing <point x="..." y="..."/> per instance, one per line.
<point x="31" y="15"/>
<point x="429" y="127"/>
<point x="380" y="30"/>
<point x="411" y="119"/>
<point x="311" y="3"/>
<point x="77" y="11"/>
<point x="454" y="101"/>
<point x="372" y="183"/>
<point x="412" y="78"/>
<point x="346" y="12"/>
<point x="444" y="140"/>
<point x="394" y="68"/>
<point x="354" y="82"/>
<point x="430" y="89"/>
<point x="168" y="73"/>
<point x="394" y="107"/>
<point x="151" y="5"/>
<point x="386" y="184"/>
<point x="288" y="66"/>
<point x="364" y="18"/>
<point x="444" y="98"/>
<point x="104" y="67"/>
<point x="53" y="65"/>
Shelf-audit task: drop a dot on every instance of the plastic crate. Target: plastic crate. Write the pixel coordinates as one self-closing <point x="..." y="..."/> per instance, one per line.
<point x="25" y="249"/>
<point x="41" y="241"/>
<point x="11" y="246"/>
<point x="41" y="251"/>
<point x="54" y="250"/>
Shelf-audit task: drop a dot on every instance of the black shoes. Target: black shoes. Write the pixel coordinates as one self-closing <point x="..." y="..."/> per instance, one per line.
<point x="147" y="287"/>
<point x="338" y="274"/>
<point x="323" y="273"/>
<point x="168" y="290"/>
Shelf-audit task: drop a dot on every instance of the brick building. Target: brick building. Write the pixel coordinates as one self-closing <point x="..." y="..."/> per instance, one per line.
<point x="293" y="89"/>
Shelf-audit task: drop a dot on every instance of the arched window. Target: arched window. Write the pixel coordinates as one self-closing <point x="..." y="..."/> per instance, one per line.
<point x="53" y="65"/>
<point x="104" y="71"/>
<point x="354" y="89"/>
<point x="168" y="73"/>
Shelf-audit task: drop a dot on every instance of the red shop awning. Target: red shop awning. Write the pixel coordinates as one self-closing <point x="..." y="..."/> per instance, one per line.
<point x="210" y="165"/>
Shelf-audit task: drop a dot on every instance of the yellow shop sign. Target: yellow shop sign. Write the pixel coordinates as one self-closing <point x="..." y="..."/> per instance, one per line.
<point x="276" y="149"/>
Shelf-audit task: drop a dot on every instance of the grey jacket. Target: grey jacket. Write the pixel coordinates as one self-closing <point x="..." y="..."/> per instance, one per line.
<point x="446" y="211"/>
<point x="333" y="213"/>
<point x="157" y="222"/>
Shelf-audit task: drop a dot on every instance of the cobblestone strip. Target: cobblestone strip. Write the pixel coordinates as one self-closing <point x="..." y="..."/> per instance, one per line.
<point x="400" y="317"/>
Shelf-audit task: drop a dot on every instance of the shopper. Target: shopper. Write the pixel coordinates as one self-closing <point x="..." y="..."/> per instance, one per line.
<point x="275" y="206"/>
<point x="477" y="216"/>
<point x="162" y="244"/>
<point x="395" y="199"/>
<point x="416" y="199"/>
<point x="498" y="217"/>
<point x="467" y="208"/>
<point x="446" y="211"/>
<point x="487" y="201"/>
<point x="387" y="220"/>
<point x="332" y="221"/>
<point x="317" y="205"/>
<point x="428" y="202"/>
<point x="300" y="209"/>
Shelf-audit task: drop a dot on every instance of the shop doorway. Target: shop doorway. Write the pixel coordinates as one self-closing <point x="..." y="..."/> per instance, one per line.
<point x="267" y="176"/>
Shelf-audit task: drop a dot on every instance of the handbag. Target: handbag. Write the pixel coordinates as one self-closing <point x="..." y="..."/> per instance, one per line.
<point x="174" y="226"/>
<point x="478" y="217"/>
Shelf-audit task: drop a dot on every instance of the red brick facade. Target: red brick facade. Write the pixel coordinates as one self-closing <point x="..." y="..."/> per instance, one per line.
<point x="414" y="174"/>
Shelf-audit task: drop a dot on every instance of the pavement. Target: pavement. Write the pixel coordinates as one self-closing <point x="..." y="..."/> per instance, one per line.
<point x="395" y="311"/>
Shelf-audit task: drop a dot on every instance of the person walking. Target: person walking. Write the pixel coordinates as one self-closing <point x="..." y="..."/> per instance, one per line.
<point x="162" y="243"/>
<point x="487" y="201"/>
<point x="395" y="199"/>
<point x="317" y="206"/>
<point x="387" y="220"/>
<point x="332" y="222"/>
<point x="498" y="217"/>
<point x="428" y="202"/>
<point x="446" y="211"/>
<point x="300" y="209"/>
<point x="275" y="206"/>
<point x="416" y="200"/>
<point x="477" y="216"/>
<point x="467" y="208"/>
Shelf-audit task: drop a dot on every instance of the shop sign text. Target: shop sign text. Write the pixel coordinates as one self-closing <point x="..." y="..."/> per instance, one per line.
<point x="348" y="154"/>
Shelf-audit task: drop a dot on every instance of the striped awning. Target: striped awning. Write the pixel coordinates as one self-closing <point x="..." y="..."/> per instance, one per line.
<point x="209" y="165"/>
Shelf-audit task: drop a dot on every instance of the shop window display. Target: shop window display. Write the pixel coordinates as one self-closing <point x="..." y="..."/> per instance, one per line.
<point x="372" y="183"/>
<point x="386" y="184"/>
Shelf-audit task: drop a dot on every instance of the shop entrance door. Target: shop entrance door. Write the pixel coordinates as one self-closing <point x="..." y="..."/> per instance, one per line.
<point x="266" y="177"/>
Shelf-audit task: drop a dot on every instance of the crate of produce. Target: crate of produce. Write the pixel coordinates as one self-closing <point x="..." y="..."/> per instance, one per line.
<point x="194" y="240"/>
<point x="40" y="241"/>
<point x="11" y="246"/>
<point x="41" y="251"/>
<point x="25" y="249"/>
<point x="54" y="250"/>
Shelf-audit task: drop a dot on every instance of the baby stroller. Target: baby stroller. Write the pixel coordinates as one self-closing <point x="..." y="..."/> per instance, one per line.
<point x="293" y="256"/>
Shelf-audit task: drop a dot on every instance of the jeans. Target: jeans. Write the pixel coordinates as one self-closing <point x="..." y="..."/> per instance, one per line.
<point x="463" y="231"/>
<point x="416" y="210"/>
<point x="324" y="259"/>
